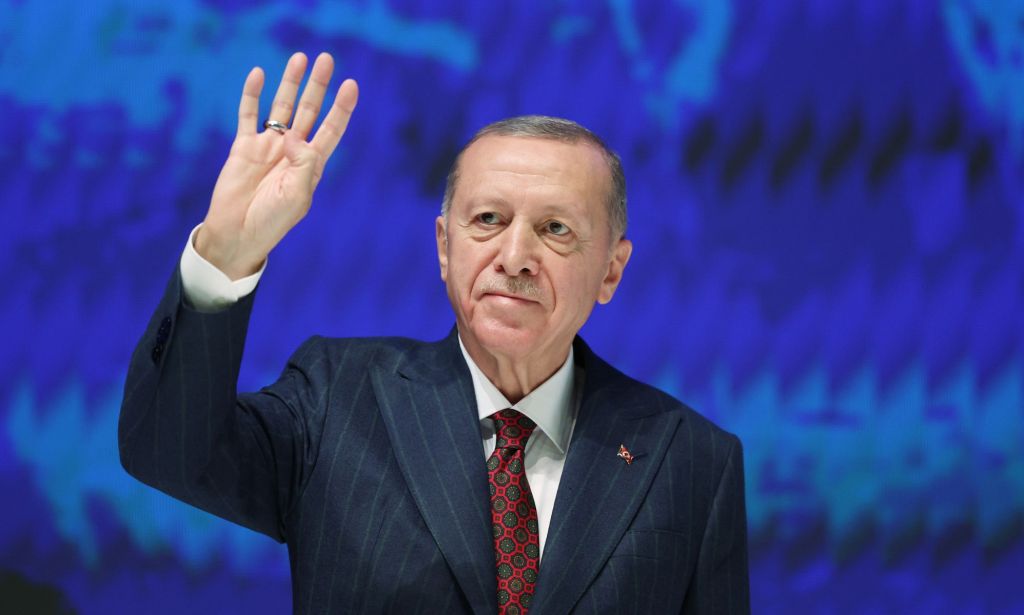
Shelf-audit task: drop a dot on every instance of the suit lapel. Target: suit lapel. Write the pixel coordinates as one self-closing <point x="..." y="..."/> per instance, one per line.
<point x="429" y="407"/>
<point x="599" y="492"/>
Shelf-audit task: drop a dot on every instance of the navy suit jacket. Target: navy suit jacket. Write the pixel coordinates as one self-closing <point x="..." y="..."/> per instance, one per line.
<point x="365" y="458"/>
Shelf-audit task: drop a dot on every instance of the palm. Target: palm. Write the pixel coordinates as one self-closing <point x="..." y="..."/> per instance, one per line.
<point x="260" y="190"/>
<point x="267" y="183"/>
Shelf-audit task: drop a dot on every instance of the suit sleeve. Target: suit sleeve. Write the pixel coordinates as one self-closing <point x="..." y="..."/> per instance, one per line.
<point x="184" y="429"/>
<point x="721" y="583"/>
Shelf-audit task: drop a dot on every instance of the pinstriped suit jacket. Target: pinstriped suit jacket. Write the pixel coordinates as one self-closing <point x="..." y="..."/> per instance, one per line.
<point x="365" y="458"/>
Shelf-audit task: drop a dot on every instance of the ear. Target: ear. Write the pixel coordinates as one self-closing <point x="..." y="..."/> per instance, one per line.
<point x="616" y="265"/>
<point x="442" y="247"/>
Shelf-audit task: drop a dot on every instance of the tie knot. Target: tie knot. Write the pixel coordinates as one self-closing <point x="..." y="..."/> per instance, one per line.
<point x="513" y="428"/>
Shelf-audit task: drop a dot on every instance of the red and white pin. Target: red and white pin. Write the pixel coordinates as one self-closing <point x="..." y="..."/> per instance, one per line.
<point x="625" y="455"/>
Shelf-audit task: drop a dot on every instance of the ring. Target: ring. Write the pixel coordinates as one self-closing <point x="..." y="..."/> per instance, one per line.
<point x="275" y="126"/>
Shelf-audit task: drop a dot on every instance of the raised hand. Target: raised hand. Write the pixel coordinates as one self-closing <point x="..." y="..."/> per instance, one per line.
<point x="267" y="183"/>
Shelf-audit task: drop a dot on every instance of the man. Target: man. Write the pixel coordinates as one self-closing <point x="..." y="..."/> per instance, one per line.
<point x="504" y="469"/>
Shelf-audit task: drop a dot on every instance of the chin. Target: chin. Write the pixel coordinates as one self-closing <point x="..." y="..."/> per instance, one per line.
<point x="505" y="340"/>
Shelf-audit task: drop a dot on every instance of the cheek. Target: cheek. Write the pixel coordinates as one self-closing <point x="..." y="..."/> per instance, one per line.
<point x="463" y="271"/>
<point x="576" y="291"/>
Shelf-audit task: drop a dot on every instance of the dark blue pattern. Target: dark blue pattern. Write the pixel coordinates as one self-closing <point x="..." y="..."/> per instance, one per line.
<point x="826" y="202"/>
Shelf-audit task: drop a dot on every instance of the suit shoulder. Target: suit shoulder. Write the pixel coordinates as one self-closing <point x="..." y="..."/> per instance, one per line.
<point x="690" y="414"/>
<point x="651" y="399"/>
<point x="354" y="350"/>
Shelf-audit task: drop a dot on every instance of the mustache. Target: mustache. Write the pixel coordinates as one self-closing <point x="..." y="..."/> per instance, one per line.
<point x="518" y="287"/>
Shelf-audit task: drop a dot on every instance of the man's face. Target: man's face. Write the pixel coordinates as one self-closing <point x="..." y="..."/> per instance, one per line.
<point x="527" y="249"/>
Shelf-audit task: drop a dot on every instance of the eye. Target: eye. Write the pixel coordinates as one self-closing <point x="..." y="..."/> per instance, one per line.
<point x="557" y="228"/>
<point x="488" y="218"/>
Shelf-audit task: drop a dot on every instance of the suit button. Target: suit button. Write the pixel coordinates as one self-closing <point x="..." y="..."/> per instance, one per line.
<point x="158" y="352"/>
<point x="165" y="326"/>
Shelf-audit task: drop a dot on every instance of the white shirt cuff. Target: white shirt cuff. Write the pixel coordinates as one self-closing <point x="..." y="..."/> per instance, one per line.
<point x="208" y="289"/>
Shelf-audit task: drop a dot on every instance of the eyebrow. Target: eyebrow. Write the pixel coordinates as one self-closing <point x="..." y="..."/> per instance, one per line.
<point x="546" y="208"/>
<point x="497" y="201"/>
<point x="565" y="211"/>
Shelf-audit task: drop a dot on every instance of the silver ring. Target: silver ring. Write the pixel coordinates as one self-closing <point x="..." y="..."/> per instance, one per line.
<point x="275" y="125"/>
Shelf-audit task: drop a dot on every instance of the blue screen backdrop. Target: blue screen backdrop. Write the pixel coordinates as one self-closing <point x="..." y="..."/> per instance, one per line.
<point x="826" y="206"/>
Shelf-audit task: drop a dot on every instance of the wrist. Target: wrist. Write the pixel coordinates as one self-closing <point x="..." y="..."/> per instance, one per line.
<point x="230" y="260"/>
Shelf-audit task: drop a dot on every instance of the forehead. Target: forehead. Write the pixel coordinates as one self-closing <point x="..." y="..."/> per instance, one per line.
<point x="534" y="165"/>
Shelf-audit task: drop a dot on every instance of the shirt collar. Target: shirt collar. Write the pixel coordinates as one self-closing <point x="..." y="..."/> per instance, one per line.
<point x="549" y="405"/>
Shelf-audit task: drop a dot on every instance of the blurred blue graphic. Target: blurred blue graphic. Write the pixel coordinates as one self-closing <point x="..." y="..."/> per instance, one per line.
<point x="826" y="203"/>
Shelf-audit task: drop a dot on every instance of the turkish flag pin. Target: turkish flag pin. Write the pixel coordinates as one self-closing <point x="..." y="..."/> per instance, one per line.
<point x="625" y="455"/>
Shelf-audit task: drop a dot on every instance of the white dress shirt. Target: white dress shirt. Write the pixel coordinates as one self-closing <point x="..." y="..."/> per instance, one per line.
<point x="206" y="288"/>
<point x="552" y="405"/>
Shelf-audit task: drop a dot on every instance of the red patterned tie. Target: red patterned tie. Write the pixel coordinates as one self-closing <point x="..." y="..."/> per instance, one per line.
<point x="513" y="513"/>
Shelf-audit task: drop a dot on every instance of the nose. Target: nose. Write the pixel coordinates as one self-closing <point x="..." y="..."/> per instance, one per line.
<point x="519" y="250"/>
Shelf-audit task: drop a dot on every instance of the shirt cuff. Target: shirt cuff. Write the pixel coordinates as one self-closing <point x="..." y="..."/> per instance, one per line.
<point x="208" y="289"/>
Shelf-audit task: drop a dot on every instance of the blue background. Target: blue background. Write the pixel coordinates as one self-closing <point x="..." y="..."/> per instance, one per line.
<point x="826" y="204"/>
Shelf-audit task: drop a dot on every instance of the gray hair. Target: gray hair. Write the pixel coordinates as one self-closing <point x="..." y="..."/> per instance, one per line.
<point x="558" y="129"/>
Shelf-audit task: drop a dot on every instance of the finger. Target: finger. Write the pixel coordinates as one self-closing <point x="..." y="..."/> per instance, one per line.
<point x="249" y="106"/>
<point x="334" y="125"/>
<point x="313" y="96"/>
<point x="284" y="99"/>
<point x="302" y="158"/>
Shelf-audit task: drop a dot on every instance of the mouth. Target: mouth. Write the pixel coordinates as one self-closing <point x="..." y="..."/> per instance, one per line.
<point x="509" y="297"/>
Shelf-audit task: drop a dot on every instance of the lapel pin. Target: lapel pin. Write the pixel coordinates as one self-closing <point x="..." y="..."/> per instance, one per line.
<point x="625" y="455"/>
